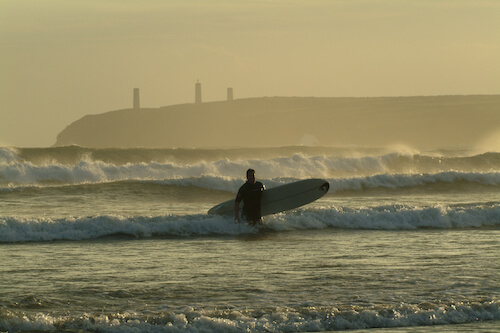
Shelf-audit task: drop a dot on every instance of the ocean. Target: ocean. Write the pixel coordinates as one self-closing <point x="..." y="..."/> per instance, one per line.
<point x="119" y="240"/>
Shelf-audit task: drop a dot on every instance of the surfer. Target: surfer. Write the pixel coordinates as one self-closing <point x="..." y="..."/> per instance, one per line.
<point x="250" y="193"/>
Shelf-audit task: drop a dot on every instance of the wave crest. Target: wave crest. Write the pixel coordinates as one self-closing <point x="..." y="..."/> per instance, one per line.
<point x="389" y="217"/>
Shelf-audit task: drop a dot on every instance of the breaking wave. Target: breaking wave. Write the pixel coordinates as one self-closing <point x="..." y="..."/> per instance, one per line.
<point x="281" y="319"/>
<point x="388" y="217"/>
<point x="224" y="169"/>
<point x="440" y="182"/>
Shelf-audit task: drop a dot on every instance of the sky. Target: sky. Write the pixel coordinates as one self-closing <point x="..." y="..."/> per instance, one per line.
<point x="61" y="60"/>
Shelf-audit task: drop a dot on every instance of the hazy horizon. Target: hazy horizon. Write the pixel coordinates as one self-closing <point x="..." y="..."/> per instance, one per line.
<point x="63" y="60"/>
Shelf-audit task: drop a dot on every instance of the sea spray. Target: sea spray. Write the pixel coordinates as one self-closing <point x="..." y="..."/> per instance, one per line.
<point x="65" y="167"/>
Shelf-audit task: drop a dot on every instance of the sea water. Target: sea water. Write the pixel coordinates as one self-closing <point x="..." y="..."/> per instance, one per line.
<point x="118" y="240"/>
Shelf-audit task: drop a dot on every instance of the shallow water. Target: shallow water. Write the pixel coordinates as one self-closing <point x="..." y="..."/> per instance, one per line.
<point x="109" y="245"/>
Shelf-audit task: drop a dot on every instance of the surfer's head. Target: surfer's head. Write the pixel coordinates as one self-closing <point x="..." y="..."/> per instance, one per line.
<point x="251" y="175"/>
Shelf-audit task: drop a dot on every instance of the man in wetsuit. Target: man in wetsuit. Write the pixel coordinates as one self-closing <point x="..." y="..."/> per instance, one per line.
<point x="250" y="193"/>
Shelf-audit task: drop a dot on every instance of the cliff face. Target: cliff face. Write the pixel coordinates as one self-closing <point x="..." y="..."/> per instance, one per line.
<point x="421" y="122"/>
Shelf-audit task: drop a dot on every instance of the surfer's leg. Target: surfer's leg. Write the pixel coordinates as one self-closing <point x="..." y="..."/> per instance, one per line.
<point x="255" y="222"/>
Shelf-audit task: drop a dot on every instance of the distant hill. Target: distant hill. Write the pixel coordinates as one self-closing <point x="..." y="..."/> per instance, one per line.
<point x="421" y="122"/>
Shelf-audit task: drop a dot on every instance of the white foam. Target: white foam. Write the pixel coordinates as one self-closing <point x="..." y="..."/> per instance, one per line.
<point x="394" y="181"/>
<point x="392" y="217"/>
<point x="8" y="155"/>
<point x="281" y="319"/>
<point x="46" y="229"/>
<point x="97" y="171"/>
<point x="390" y="171"/>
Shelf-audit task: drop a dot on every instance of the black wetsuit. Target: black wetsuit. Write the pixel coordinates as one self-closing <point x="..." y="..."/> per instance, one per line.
<point x="251" y="194"/>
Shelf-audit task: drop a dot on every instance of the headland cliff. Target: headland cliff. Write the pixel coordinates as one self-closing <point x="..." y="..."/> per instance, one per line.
<point x="420" y="122"/>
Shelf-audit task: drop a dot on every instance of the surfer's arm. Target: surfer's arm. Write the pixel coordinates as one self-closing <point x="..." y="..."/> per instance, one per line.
<point x="237" y="210"/>
<point x="237" y="201"/>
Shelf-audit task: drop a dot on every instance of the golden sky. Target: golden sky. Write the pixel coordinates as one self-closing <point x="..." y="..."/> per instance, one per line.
<point x="61" y="60"/>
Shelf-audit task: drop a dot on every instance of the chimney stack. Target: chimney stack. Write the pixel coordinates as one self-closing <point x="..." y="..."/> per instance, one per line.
<point x="197" y="92"/>
<point x="137" y="104"/>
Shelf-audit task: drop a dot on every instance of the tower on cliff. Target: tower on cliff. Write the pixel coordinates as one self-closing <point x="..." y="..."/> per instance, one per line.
<point x="137" y="103"/>
<point x="229" y="94"/>
<point x="197" y="92"/>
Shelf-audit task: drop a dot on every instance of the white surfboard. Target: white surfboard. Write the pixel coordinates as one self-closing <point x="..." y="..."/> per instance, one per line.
<point x="282" y="198"/>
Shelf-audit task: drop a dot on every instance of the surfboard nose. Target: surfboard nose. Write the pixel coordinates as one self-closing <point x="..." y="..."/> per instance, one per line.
<point x="325" y="187"/>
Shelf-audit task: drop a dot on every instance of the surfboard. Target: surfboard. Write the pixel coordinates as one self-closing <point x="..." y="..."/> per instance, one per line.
<point x="281" y="198"/>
